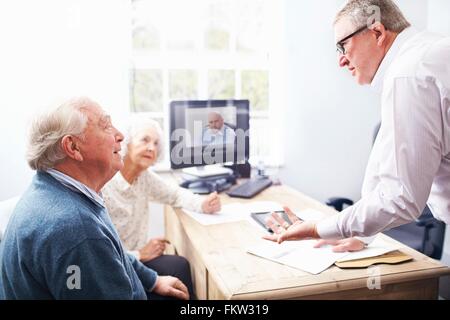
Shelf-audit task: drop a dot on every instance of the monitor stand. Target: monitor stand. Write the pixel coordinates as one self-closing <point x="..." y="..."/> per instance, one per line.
<point x="207" y="171"/>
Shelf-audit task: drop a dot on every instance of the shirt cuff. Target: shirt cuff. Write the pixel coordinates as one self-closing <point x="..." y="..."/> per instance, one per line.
<point x="154" y="284"/>
<point x="150" y="279"/>
<point x="328" y="228"/>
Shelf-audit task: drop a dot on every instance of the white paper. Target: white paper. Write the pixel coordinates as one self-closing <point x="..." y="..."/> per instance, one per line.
<point x="310" y="259"/>
<point x="228" y="213"/>
<point x="263" y="206"/>
<point x="241" y="211"/>
<point x="302" y="254"/>
<point x="310" y="215"/>
<point x="298" y="254"/>
<point x="234" y="212"/>
<point x="378" y="247"/>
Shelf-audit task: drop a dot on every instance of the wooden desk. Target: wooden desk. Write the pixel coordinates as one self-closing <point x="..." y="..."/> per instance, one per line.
<point x="222" y="269"/>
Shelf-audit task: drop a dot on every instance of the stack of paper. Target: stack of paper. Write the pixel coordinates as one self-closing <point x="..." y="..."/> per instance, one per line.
<point x="302" y="254"/>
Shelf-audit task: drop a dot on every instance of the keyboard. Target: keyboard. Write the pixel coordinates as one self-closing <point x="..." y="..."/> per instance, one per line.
<point x="250" y="188"/>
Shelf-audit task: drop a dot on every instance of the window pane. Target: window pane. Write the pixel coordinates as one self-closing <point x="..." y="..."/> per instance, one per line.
<point x="146" y="90"/>
<point x="217" y="38"/>
<point x="217" y="33"/>
<point x="183" y="84"/>
<point x="250" y="26"/>
<point x="221" y="84"/>
<point x="182" y="24"/>
<point x="146" y="37"/>
<point x="255" y="87"/>
<point x="145" y="25"/>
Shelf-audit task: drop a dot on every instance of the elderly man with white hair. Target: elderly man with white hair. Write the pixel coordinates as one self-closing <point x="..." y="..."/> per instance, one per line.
<point x="60" y="242"/>
<point x="129" y="194"/>
<point x="410" y="161"/>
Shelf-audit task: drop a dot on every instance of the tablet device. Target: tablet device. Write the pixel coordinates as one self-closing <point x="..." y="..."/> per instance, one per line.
<point x="261" y="218"/>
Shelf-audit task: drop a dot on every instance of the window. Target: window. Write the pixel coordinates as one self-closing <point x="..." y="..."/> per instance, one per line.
<point x="211" y="49"/>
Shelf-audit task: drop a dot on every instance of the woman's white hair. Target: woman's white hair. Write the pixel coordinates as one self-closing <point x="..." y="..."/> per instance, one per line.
<point x="364" y="12"/>
<point x="48" y="129"/>
<point x="135" y="127"/>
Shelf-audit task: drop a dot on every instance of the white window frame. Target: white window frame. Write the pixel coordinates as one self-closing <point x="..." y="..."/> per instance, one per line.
<point x="201" y="61"/>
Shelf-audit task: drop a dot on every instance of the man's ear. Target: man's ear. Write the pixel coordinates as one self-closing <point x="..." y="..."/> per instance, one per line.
<point x="71" y="148"/>
<point x="380" y="32"/>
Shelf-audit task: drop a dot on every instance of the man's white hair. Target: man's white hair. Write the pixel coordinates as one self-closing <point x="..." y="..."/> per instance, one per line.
<point x="366" y="12"/>
<point x="49" y="128"/>
<point x="215" y="113"/>
<point x="135" y="127"/>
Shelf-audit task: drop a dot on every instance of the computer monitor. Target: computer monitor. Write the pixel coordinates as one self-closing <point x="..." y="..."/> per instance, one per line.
<point x="205" y="132"/>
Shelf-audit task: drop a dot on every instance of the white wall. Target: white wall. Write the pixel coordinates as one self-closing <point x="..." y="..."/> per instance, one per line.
<point x="329" y="119"/>
<point x="438" y="16"/>
<point x="52" y="49"/>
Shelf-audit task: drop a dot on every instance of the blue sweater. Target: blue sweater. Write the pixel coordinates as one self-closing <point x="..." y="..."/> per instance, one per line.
<point x="61" y="245"/>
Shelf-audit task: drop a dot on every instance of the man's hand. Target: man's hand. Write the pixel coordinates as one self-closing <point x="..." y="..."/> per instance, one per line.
<point x="211" y="204"/>
<point x="298" y="230"/>
<point x="343" y="245"/>
<point x="171" y="287"/>
<point x="153" y="249"/>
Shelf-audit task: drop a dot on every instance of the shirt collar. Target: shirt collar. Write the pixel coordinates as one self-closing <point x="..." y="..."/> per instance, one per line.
<point x="121" y="182"/>
<point x="77" y="186"/>
<point x="402" y="37"/>
<point x="220" y="132"/>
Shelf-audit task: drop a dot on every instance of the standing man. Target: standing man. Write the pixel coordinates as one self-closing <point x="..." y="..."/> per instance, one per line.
<point x="60" y="242"/>
<point x="410" y="162"/>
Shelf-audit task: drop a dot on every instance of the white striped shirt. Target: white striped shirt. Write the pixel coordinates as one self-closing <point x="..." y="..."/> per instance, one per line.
<point x="410" y="162"/>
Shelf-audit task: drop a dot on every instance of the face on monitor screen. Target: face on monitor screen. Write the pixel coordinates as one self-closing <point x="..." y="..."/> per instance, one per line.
<point x="204" y="132"/>
<point x="215" y="126"/>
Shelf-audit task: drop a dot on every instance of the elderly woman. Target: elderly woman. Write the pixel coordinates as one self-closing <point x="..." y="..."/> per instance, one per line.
<point x="129" y="193"/>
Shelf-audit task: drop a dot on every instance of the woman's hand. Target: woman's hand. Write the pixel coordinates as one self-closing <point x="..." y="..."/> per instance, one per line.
<point x="153" y="249"/>
<point x="211" y="204"/>
<point x="343" y="245"/>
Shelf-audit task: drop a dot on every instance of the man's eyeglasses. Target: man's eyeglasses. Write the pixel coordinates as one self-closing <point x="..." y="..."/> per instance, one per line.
<point x="340" y="45"/>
